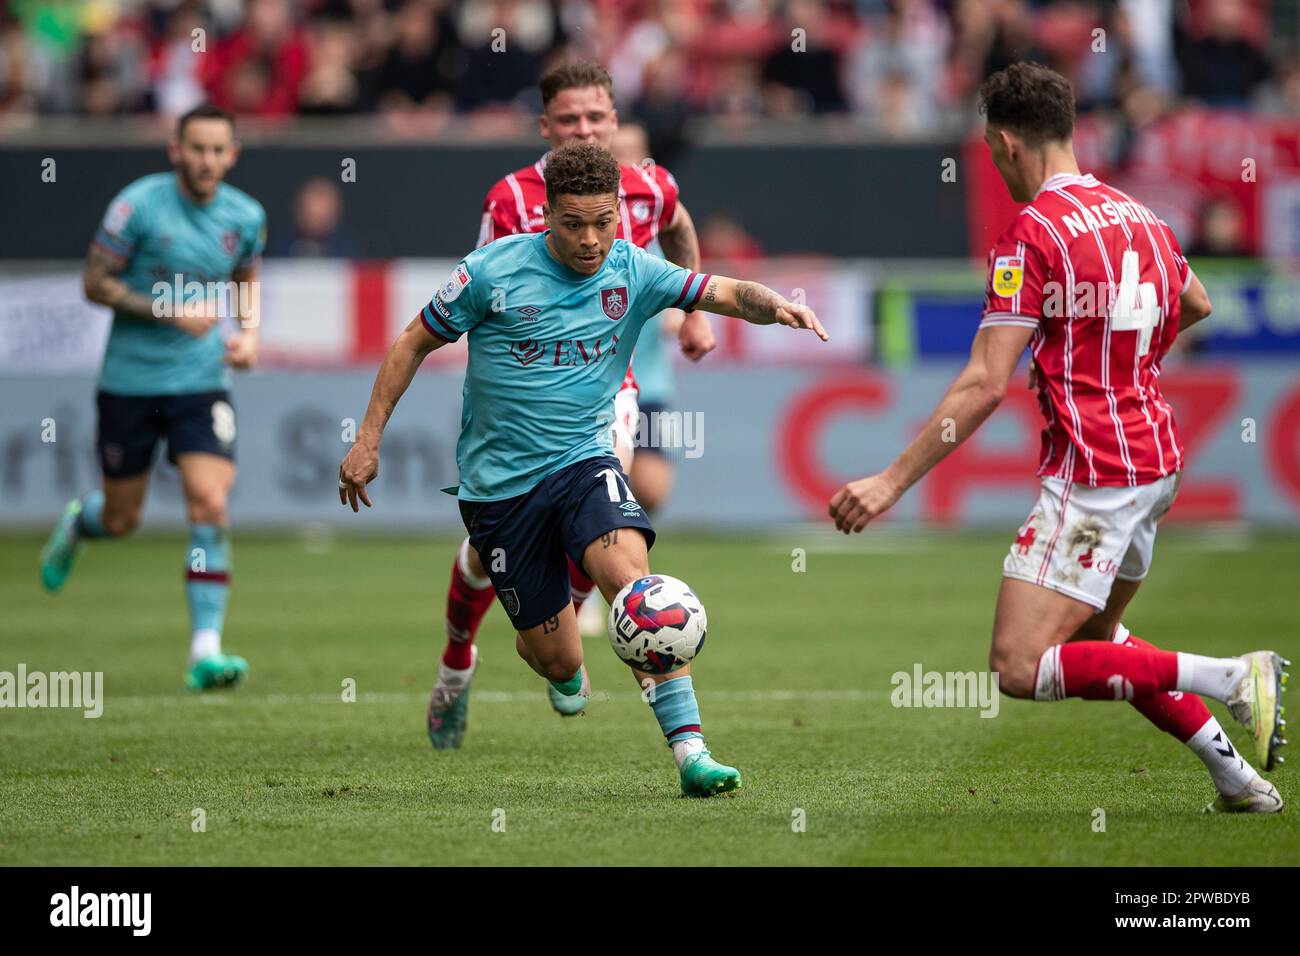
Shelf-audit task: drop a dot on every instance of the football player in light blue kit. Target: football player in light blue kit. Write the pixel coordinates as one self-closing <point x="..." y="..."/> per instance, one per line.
<point x="551" y="319"/>
<point x="175" y="250"/>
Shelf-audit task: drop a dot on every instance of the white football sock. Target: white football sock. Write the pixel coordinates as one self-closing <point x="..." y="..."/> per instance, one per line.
<point x="1231" y="773"/>
<point x="205" y="642"/>
<point x="1215" y="677"/>
<point x="472" y="579"/>
<point x="684" y="748"/>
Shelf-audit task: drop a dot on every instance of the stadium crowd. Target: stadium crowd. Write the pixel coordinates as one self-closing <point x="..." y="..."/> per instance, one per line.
<point x="898" y="66"/>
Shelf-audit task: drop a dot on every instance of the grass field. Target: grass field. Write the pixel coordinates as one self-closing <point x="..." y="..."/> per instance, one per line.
<point x="794" y="687"/>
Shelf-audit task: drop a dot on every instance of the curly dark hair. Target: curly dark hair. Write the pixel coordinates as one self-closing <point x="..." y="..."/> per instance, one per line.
<point x="1031" y="100"/>
<point x="581" y="169"/>
<point x="574" y="75"/>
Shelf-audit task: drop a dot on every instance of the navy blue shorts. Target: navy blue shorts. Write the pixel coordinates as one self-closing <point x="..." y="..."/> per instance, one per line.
<point x="523" y="541"/>
<point x="131" y="426"/>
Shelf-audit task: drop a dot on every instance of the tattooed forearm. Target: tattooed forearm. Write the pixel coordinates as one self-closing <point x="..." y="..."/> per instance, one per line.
<point x="679" y="241"/>
<point x="756" y="303"/>
<point x="609" y="538"/>
<point x="103" y="287"/>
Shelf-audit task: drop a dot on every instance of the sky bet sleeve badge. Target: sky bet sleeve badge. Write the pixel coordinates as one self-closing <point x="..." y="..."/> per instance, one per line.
<point x="1008" y="275"/>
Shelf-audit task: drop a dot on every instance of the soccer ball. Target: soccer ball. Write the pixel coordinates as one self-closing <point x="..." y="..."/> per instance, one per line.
<point x="657" y="624"/>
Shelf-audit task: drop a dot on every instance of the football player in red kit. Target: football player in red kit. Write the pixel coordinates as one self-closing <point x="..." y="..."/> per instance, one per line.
<point x="1096" y="286"/>
<point x="577" y="106"/>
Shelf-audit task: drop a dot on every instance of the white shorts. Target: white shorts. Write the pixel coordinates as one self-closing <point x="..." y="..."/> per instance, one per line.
<point x="1079" y="539"/>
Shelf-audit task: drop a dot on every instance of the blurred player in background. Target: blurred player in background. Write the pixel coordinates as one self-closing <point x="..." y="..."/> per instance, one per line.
<point x="165" y="372"/>
<point x="1097" y="287"/>
<point x="577" y="107"/>
<point x="537" y="485"/>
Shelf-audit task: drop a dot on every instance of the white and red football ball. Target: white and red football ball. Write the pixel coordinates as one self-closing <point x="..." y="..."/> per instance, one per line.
<point x="657" y="624"/>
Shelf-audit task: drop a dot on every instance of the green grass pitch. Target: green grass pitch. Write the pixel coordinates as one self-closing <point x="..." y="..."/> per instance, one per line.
<point x="794" y="688"/>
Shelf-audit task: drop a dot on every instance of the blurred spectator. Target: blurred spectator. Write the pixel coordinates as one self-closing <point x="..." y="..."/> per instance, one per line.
<point x="260" y="68"/>
<point x="1222" y="230"/>
<point x="423" y="67"/>
<point x="507" y="42"/>
<point x="803" y="73"/>
<point x="331" y="86"/>
<point x="177" y="62"/>
<point x="317" y="218"/>
<point x="1221" y="62"/>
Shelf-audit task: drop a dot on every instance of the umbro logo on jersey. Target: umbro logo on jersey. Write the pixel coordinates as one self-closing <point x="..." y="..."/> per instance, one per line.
<point x="530" y="313"/>
<point x="614" y="301"/>
<point x="630" y="508"/>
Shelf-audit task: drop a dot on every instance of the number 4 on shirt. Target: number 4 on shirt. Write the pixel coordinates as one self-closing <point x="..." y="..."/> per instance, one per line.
<point x="1136" y="309"/>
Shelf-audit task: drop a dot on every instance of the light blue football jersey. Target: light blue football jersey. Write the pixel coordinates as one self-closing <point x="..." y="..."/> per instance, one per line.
<point x="161" y="233"/>
<point x="548" y="349"/>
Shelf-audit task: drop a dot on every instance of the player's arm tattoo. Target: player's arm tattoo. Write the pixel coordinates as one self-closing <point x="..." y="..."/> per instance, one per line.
<point x="609" y="538"/>
<point x="680" y="242"/>
<point x="102" y="286"/>
<point x="756" y="302"/>
<point x="551" y="624"/>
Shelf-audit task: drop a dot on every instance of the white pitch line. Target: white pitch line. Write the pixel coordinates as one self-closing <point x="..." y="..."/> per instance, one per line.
<point x="238" y="699"/>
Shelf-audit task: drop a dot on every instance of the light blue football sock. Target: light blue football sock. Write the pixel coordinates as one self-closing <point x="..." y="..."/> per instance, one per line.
<point x="207" y="576"/>
<point x="675" y="708"/>
<point x="90" y="522"/>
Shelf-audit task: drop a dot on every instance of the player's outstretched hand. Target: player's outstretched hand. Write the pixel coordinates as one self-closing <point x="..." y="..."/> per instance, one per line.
<point x="241" y="351"/>
<point x="800" y="317"/>
<point x="358" y="469"/>
<point x="859" y="502"/>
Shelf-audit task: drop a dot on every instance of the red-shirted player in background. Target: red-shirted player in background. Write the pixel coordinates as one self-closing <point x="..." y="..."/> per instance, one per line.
<point x="577" y="106"/>
<point x="1097" y="287"/>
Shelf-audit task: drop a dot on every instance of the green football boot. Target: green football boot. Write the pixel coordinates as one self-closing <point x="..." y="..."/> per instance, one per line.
<point x="449" y="705"/>
<point x="567" y="705"/>
<point x="1257" y="704"/>
<point x="216" y="671"/>
<point x="60" y="551"/>
<point x="702" y="776"/>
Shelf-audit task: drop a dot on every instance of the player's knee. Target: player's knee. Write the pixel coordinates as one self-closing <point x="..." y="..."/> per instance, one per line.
<point x="1015" y="671"/>
<point x="474" y="562"/>
<point x="208" y="507"/>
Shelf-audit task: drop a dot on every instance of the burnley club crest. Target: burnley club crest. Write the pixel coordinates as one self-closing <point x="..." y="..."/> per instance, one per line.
<point x="614" y="302"/>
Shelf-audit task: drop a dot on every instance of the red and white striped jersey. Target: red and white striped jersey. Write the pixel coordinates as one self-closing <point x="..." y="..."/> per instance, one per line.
<point x="1059" y="270"/>
<point x="647" y="202"/>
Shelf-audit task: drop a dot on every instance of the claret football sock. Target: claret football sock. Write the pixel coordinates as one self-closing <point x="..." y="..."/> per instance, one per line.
<point x="675" y="707"/>
<point x="207" y="587"/>
<point x="468" y="599"/>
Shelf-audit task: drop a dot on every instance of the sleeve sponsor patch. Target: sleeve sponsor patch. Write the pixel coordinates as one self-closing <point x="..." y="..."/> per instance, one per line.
<point x="451" y="289"/>
<point x="1008" y="275"/>
<point x="117" y="217"/>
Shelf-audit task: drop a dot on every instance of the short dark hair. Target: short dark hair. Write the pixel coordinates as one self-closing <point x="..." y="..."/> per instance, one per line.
<point x="204" y="111"/>
<point x="574" y="75"/>
<point x="581" y="169"/>
<point x="1032" y="100"/>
